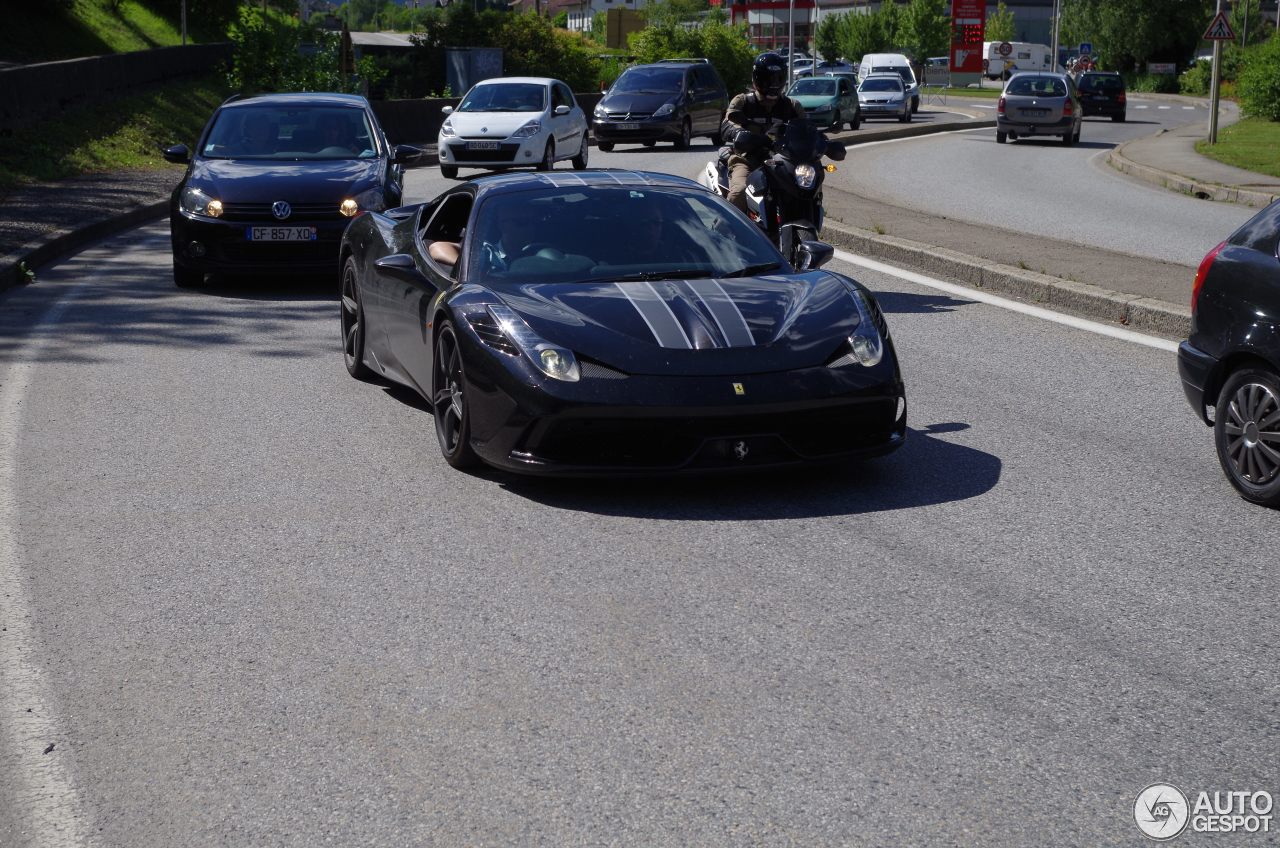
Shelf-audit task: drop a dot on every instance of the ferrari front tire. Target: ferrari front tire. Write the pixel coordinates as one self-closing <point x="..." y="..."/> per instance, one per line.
<point x="449" y="401"/>
<point x="353" y="323"/>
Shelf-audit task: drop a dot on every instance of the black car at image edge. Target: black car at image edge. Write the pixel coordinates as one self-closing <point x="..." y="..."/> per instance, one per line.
<point x="1231" y="361"/>
<point x="274" y="181"/>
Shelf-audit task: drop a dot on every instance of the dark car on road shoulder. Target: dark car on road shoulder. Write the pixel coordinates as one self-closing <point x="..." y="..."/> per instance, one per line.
<point x="1231" y="361"/>
<point x="1102" y="93"/>
<point x="666" y="101"/>
<point x="1038" y="103"/>
<point x="273" y="182"/>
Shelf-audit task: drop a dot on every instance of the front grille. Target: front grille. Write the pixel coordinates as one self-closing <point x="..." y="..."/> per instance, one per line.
<point x="596" y="371"/>
<point x="673" y="441"/>
<point x="298" y="212"/>
<point x="504" y="153"/>
<point x="629" y="116"/>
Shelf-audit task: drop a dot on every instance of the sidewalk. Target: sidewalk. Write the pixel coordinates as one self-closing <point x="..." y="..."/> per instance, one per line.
<point x="40" y="222"/>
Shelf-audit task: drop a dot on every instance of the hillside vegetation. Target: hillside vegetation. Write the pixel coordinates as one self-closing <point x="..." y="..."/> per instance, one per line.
<point x="48" y="30"/>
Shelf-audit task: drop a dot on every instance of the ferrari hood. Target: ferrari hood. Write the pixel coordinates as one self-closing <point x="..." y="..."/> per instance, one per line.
<point x="708" y="326"/>
<point x="295" y="181"/>
<point x="495" y="125"/>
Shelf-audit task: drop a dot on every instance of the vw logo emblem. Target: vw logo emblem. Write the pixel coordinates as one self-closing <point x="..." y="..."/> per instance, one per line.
<point x="281" y="209"/>
<point x="740" y="450"/>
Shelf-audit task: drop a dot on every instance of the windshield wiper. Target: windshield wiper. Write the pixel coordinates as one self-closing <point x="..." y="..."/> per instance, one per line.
<point x="653" y="276"/>
<point x="752" y="270"/>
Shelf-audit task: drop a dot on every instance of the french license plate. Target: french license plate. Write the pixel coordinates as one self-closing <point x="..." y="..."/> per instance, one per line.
<point x="1035" y="113"/>
<point x="482" y="145"/>
<point x="280" y="233"/>
<point x="628" y="126"/>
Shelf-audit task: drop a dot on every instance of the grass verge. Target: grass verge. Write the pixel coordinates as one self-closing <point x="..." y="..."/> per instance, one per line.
<point x="989" y="93"/>
<point x="1250" y="144"/>
<point x="45" y="31"/>
<point x="124" y="134"/>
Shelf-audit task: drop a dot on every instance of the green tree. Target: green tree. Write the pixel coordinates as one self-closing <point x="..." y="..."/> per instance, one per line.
<point x="1000" y="26"/>
<point x="266" y="57"/>
<point x="925" y="29"/>
<point x="1247" y="22"/>
<point x="1129" y="33"/>
<point x="726" y="46"/>
<point x="1259" y="83"/>
<point x="826" y="40"/>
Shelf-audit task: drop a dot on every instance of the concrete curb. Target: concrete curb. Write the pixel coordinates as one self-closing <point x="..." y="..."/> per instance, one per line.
<point x="1186" y="185"/>
<point x="50" y="246"/>
<point x="1083" y="299"/>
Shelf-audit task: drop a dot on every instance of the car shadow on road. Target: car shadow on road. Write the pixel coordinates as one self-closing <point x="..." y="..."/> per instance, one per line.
<point x="926" y="470"/>
<point x="907" y="303"/>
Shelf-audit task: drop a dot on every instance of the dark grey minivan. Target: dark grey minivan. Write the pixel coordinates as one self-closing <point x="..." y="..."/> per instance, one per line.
<point x="1039" y="103"/>
<point x="672" y="100"/>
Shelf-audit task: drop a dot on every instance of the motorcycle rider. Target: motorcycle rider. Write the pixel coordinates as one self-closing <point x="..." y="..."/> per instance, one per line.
<point x="750" y="117"/>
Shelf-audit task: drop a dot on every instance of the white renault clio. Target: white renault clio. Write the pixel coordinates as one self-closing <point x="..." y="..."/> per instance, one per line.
<point x="511" y="122"/>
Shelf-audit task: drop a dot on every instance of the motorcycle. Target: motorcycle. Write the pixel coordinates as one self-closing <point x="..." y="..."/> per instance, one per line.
<point x="784" y="195"/>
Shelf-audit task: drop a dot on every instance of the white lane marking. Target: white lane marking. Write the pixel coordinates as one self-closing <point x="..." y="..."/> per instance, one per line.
<point x="1188" y="108"/>
<point x="47" y="804"/>
<point x="1142" y="107"/>
<point x="982" y="106"/>
<point x="1164" y="107"/>
<point x="1004" y="303"/>
<point x="856" y="147"/>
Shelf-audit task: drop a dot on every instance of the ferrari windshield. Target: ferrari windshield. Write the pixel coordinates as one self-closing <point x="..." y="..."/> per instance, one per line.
<point x="290" y="132"/>
<point x="505" y="97"/>
<point x="649" y="81"/>
<point x="598" y="233"/>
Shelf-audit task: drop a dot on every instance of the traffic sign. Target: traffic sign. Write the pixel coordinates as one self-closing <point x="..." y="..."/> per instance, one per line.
<point x="1219" y="29"/>
<point x="1086" y="48"/>
<point x="1005" y="48"/>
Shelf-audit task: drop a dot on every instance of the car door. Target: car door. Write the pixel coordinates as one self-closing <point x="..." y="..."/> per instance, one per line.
<point x="562" y="126"/>
<point x="577" y="123"/>
<point x="708" y="107"/>
<point x="846" y="99"/>
<point x="414" y="284"/>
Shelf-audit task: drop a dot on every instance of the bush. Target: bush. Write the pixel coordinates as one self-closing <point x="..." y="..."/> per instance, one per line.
<point x="1162" y="83"/>
<point x="1259" y="81"/>
<point x="726" y="46"/>
<point x="266" y="57"/>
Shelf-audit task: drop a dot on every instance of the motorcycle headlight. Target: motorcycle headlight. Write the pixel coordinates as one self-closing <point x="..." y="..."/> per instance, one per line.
<point x="371" y="200"/>
<point x="805" y="174"/>
<point x="664" y="110"/>
<point x="556" y="362"/>
<point x="196" y="202"/>
<point x="529" y="130"/>
<point x="446" y="129"/>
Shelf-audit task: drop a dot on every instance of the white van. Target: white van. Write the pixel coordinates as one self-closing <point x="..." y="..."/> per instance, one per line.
<point x="1022" y="56"/>
<point x="892" y="63"/>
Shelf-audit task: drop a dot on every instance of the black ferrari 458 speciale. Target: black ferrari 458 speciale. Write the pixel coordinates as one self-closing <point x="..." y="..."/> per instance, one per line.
<point x="611" y="322"/>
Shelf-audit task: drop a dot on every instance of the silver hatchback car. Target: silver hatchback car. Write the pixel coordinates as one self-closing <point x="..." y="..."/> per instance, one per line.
<point x="1039" y="103"/>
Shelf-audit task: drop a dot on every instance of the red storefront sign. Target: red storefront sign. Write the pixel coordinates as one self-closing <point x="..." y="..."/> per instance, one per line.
<point x="968" y="28"/>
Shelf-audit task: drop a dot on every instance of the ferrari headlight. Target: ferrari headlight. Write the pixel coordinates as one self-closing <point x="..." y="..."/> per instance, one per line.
<point x="196" y="202"/>
<point x="805" y="174"/>
<point x="556" y="362"/>
<point x="529" y="130"/>
<point x="446" y="129"/>
<point x="664" y="110"/>
<point x="866" y="346"/>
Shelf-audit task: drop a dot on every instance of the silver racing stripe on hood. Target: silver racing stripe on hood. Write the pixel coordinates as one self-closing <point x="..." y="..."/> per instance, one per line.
<point x="657" y="314"/>
<point x="727" y="315"/>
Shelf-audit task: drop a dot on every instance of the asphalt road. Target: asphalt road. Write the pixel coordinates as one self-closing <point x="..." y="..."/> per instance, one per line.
<point x="1038" y="187"/>
<point x="247" y="603"/>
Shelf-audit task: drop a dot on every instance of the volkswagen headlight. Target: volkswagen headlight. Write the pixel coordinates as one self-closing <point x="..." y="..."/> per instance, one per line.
<point x="196" y="202"/>
<point x="370" y="200"/>
<point x="805" y="175"/>
<point x="664" y="110"/>
<point x="556" y="362"/>
<point x="446" y="129"/>
<point x="529" y="130"/>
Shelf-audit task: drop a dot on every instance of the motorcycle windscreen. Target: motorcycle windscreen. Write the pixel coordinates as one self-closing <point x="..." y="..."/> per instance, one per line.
<point x="802" y="142"/>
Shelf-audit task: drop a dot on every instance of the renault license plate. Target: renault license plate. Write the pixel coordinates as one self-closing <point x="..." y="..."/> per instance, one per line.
<point x="482" y="145"/>
<point x="628" y="126"/>
<point x="280" y="233"/>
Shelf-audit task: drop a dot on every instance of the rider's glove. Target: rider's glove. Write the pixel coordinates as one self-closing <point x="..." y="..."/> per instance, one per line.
<point x="747" y="141"/>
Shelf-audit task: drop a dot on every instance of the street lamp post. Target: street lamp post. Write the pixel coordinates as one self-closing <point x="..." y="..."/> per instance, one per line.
<point x="791" y="39"/>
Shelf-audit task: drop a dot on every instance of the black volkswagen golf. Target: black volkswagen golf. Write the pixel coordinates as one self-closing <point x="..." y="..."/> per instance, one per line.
<point x="1231" y="362"/>
<point x="273" y="182"/>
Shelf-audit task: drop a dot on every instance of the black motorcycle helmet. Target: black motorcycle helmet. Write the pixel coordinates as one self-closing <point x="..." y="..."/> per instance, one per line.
<point x="769" y="74"/>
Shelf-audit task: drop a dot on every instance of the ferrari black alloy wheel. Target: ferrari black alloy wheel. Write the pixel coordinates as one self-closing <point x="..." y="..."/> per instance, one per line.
<point x="449" y="401"/>
<point x="352" y="323"/>
<point x="1247" y="434"/>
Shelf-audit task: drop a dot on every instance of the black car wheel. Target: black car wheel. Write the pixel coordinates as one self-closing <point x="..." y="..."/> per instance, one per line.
<point x="686" y="136"/>
<point x="186" y="278"/>
<point x="548" y="157"/>
<point x="1246" y="432"/>
<point x="1119" y="118"/>
<point x="1001" y="137"/>
<point x="449" y="401"/>
<point x="856" y="122"/>
<point x="835" y="124"/>
<point x="353" y="325"/>
<point x="605" y="146"/>
<point x="449" y="172"/>
<point x="580" y="161"/>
